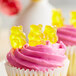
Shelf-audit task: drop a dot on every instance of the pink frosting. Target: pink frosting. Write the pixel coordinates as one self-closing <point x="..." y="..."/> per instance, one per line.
<point x="40" y="57"/>
<point x="67" y="35"/>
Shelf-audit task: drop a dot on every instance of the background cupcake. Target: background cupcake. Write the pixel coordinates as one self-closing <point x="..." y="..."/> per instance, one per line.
<point x="41" y="60"/>
<point x="67" y="34"/>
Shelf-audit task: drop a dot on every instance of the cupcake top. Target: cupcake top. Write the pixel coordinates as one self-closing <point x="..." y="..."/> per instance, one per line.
<point x="40" y="53"/>
<point x="67" y="35"/>
<point x="40" y="57"/>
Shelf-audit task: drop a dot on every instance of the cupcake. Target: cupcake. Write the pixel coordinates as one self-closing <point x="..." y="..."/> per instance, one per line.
<point x="68" y="36"/>
<point x="44" y="59"/>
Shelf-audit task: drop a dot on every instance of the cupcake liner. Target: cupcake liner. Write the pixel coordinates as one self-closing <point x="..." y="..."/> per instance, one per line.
<point x="71" y="54"/>
<point x="60" y="71"/>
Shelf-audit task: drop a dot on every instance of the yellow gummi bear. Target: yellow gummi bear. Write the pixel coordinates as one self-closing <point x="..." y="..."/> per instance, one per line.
<point x="73" y="18"/>
<point x="57" y="18"/>
<point x="50" y="34"/>
<point x="35" y="36"/>
<point x="17" y="37"/>
<point x="36" y="0"/>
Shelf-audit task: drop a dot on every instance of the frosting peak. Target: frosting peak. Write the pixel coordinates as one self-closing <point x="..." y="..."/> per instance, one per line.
<point x="40" y="57"/>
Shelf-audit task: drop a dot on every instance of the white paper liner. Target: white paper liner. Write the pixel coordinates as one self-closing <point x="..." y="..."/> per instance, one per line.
<point x="60" y="71"/>
<point x="71" y="54"/>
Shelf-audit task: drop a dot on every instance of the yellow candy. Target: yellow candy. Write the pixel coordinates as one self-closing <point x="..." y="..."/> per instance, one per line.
<point x="35" y="36"/>
<point x="73" y="18"/>
<point x="50" y="34"/>
<point x="36" y="0"/>
<point x="17" y="37"/>
<point x="57" y="18"/>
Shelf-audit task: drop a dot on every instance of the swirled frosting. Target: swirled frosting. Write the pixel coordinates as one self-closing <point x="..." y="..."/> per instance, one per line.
<point x="67" y="35"/>
<point x="40" y="57"/>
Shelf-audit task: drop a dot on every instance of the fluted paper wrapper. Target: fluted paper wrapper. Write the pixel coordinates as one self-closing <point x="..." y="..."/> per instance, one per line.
<point x="60" y="71"/>
<point x="71" y="54"/>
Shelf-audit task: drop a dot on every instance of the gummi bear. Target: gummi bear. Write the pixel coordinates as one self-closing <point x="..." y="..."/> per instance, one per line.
<point x="36" y="0"/>
<point x="73" y="18"/>
<point x="36" y="36"/>
<point x="17" y="37"/>
<point x="50" y="34"/>
<point x="57" y="18"/>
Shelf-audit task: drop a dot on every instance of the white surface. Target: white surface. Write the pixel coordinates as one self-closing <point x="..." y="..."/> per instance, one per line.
<point x="2" y="69"/>
<point x="4" y="43"/>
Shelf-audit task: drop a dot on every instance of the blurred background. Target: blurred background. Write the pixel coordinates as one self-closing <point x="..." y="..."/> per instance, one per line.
<point x="65" y="5"/>
<point x="7" y="21"/>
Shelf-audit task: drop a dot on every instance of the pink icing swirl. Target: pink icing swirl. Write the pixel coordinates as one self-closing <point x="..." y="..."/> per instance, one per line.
<point x="40" y="57"/>
<point x="67" y="35"/>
